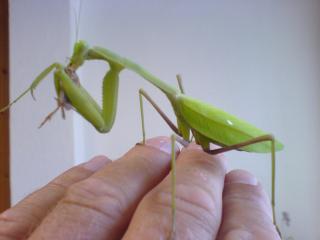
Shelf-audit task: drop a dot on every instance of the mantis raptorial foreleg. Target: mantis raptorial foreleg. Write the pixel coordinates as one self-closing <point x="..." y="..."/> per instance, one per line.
<point x="67" y="82"/>
<point x="33" y="85"/>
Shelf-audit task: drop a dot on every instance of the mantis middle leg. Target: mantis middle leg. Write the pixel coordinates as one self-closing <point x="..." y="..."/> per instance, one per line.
<point x="144" y="94"/>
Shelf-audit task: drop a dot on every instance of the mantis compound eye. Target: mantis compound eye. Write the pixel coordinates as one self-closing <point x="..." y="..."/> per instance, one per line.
<point x="80" y="52"/>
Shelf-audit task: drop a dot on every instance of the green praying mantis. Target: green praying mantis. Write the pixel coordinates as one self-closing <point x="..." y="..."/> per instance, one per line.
<point x="195" y="119"/>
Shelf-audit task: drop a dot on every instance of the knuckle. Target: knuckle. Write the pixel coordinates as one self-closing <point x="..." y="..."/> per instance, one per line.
<point x="193" y="204"/>
<point x="204" y="161"/>
<point x="254" y="197"/>
<point x="97" y="195"/>
<point x="245" y="192"/>
<point x="57" y="186"/>
<point x="197" y="201"/>
<point x="72" y="175"/>
<point x="8" y="223"/>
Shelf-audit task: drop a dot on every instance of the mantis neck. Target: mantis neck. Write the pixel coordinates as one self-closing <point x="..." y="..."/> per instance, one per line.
<point x="170" y="91"/>
<point x="121" y="62"/>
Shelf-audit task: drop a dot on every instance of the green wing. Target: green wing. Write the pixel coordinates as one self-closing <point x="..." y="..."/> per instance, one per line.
<point x="220" y="127"/>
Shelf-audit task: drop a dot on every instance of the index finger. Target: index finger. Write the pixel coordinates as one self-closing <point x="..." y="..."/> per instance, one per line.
<point x="199" y="187"/>
<point x="101" y="206"/>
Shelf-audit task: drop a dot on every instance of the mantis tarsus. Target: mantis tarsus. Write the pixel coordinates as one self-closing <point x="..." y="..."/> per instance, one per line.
<point x="206" y="123"/>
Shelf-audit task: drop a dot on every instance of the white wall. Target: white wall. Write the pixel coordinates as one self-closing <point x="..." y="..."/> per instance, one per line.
<point x="40" y="33"/>
<point x="256" y="59"/>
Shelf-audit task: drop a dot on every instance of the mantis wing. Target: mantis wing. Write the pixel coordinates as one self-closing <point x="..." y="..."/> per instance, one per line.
<point x="220" y="127"/>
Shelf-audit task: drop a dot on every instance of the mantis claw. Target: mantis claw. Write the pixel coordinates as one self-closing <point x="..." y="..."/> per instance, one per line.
<point x="182" y="141"/>
<point x="32" y="94"/>
<point x="48" y="117"/>
<point x="60" y="104"/>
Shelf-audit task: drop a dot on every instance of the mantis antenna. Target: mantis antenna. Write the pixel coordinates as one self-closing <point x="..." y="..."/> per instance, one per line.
<point x="60" y="103"/>
<point x="77" y="14"/>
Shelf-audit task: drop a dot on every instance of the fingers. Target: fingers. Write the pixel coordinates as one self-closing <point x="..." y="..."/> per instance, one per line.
<point x="19" y="221"/>
<point x="96" y="200"/>
<point x="200" y="180"/>
<point x="246" y="209"/>
<point x="101" y="206"/>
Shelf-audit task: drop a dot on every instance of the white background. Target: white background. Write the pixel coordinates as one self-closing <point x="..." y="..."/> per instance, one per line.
<point x="256" y="59"/>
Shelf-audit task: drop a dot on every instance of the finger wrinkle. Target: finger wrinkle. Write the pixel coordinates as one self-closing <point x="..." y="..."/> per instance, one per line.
<point x="109" y="217"/>
<point x="253" y="206"/>
<point x="145" y="164"/>
<point x="23" y="212"/>
<point x="190" y="201"/>
<point x="245" y="192"/>
<point x="183" y="204"/>
<point x="11" y="228"/>
<point x="248" y="213"/>
<point x="190" y="198"/>
<point x="241" y="176"/>
<point x="5" y="217"/>
<point x="198" y="196"/>
<point x="191" y="213"/>
<point x="57" y="186"/>
<point x="138" y="166"/>
<point x="72" y="175"/>
<point x="108" y="196"/>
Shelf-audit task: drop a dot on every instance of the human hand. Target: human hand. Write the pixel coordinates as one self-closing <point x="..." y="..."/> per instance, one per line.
<point x="131" y="199"/>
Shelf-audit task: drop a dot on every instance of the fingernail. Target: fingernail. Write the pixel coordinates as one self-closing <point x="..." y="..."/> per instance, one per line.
<point x="96" y="163"/>
<point x="241" y="176"/>
<point x="161" y="143"/>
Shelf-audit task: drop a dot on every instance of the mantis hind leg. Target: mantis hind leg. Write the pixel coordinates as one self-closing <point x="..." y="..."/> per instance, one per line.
<point x="273" y="164"/>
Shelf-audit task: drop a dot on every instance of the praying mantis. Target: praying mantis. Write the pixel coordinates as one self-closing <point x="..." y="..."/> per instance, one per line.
<point x="195" y="119"/>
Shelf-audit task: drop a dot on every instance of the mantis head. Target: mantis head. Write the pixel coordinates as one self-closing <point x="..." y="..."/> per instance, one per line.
<point x="80" y="51"/>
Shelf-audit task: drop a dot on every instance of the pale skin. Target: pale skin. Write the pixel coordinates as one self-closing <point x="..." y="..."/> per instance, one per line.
<point x="131" y="199"/>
